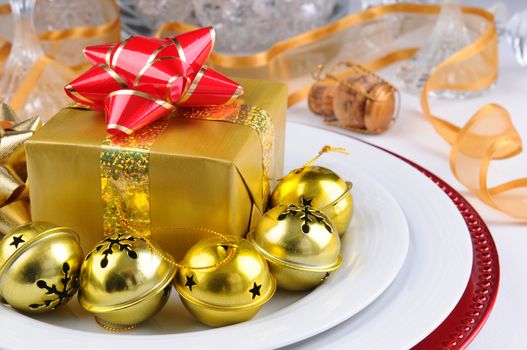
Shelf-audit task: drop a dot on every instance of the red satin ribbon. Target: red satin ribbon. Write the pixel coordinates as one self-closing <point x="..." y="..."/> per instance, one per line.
<point x="141" y="79"/>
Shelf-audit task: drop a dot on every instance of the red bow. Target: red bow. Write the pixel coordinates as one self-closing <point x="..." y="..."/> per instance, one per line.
<point x="141" y="79"/>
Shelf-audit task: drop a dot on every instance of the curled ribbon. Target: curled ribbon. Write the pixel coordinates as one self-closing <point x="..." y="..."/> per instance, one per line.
<point x="488" y="135"/>
<point x="14" y="205"/>
<point x="139" y="80"/>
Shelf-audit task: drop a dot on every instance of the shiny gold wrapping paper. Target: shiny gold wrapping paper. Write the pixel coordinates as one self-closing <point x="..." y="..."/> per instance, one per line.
<point x="203" y="174"/>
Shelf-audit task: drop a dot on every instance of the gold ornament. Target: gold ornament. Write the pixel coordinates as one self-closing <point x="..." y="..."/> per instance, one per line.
<point x="39" y="267"/>
<point x="125" y="280"/>
<point x="224" y="282"/>
<point x="324" y="190"/>
<point x="300" y="243"/>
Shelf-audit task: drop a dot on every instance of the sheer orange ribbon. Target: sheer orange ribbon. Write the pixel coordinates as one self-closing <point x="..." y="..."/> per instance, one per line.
<point x="487" y="136"/>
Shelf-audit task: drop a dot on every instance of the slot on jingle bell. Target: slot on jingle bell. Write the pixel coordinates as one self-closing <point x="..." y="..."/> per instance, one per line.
<point x="300" y="243"/>
<point x="39" y="267"/>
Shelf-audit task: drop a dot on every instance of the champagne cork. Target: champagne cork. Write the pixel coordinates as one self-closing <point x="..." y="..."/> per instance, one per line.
<point x="350" y="100"/>
<point x="361" y="102"/>
<point x="381" y="112"/>
<point x="320" y="99"/>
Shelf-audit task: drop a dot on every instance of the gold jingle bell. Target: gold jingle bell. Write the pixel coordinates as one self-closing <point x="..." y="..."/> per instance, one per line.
<point x="300" y="243"/>
<point x="39" y="267"/>
<point x="125" y="280"/>
<point x="224" y="282"/>
<point x="323" y="188"/>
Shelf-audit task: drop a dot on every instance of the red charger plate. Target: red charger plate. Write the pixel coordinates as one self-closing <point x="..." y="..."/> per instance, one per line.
<point x="473" y="309"/>
<point x="471" y="312"/>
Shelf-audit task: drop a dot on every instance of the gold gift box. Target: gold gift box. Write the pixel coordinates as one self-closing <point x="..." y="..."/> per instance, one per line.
<point x="203" y="174"/>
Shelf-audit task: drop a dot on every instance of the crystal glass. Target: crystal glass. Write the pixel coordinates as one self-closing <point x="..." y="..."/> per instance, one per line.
<point x="26" y="49"/>
<point x="365" y="4"/>
<point x="517" y="36"/>
<point x="46" y="94"/>
<point x="63" y="14"/>
<point x="157" y="12"/>
<point x="251" y="26"/>
<point x="243" y="26"/>
<point x="501" y="15"/>
<point x="449" y="35"/>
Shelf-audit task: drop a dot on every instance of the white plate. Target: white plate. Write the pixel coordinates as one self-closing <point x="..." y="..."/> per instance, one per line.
<point x="374" y="250"/>
<point x="436" y="270"/>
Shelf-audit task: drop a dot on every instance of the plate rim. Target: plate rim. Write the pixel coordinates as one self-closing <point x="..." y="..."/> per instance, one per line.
<point x="358" y="329"/>
<point x="473" y="309"/>
<point x="470" y="314"/>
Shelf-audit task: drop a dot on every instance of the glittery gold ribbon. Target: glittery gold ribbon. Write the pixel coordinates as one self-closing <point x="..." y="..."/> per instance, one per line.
<point x="125" y="179"/>
<point x="125" y="164"/>
<point x="488" y="135"/>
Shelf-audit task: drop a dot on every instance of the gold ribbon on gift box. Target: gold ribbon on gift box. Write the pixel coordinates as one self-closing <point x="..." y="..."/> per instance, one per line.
<point x="374" y="38"/>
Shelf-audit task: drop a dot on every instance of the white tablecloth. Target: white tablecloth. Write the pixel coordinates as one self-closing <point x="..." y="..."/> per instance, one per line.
<point x="413" y="137"/>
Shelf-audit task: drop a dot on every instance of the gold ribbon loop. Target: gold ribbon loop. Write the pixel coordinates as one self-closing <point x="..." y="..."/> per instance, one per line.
<point x="14" y="208"/>
<point x="11" y="185"/>
<point x="489" y="135"/>
<point x="13" y="215"/>
<point x="324" y="150"/>
<point x="124" y="223"/>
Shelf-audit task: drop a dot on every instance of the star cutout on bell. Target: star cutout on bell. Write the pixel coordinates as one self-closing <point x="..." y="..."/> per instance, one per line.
<point x="255" y="290"/>
<point x="307" y="201"/>
<point x="190" y="282"/>
<point x="17" y="240"/>
<point x="141" y="79"/>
